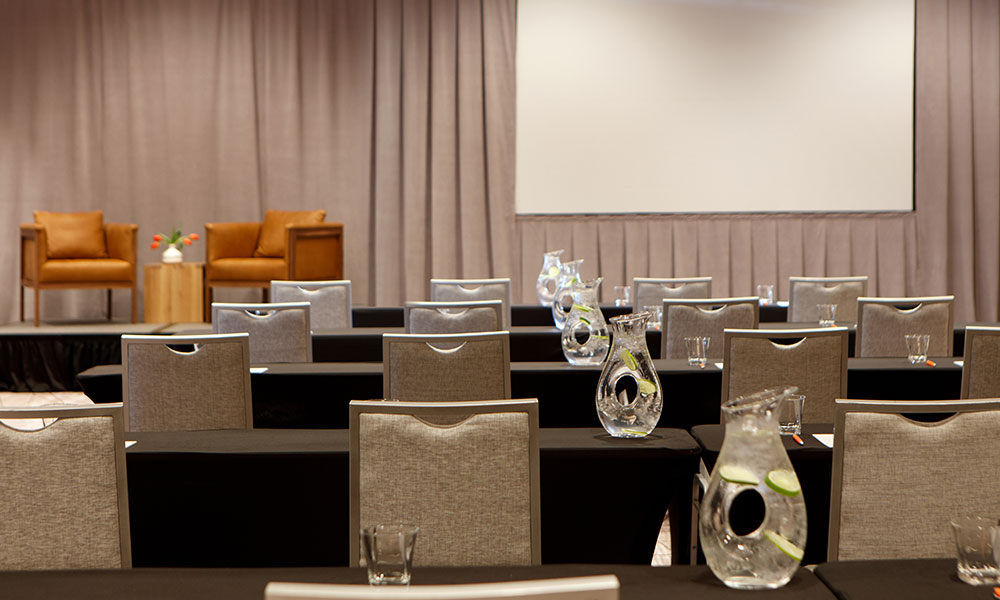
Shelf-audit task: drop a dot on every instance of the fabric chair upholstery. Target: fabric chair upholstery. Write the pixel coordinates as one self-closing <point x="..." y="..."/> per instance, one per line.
<point x="650" y="291"/>
<point x="330" y="305"/>
<point x="585" y="587"/>
<point x="438" y="367"/>
<point x="709" y="318"/>
<point x="279" y="332"/>
<point x="466" y="473"/>
<point x="805" y="293"/>
<point x="981" y="364"/>
<point x="453" y="317"/>
<point x="897" y="483"/>
<point x="63" y="494"/>
<point x="243" y="254"/>
<point x="882" y="323"/>
<point x="106" y="259"/>
<point x="468" y="290"/>
<point x="186" y="383"/>
<point x="813" y="360"/>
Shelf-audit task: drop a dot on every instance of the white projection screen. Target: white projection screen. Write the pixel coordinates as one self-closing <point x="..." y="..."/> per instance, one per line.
<point x="678" y="106"/>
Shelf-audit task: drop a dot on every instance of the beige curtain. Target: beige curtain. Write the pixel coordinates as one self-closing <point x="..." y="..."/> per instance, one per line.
<point x="397" y="117"/>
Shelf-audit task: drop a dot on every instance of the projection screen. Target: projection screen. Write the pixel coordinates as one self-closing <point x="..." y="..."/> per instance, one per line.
<point x="665" y="106"/>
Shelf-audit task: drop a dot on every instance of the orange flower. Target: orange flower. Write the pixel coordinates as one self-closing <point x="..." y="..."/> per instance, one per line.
<point x="154" y="245"/>
<point x="194" y="236"/>
<point x="187" y="241"/>
<point x="157" y="237"/>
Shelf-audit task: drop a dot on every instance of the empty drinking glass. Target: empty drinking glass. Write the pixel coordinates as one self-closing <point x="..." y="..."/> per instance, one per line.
<point x="623" y="295"/>
<point x="697" y="349"/>
<point x="916" y="347"/>
<point x="656" y="316"/>
<point x="790" y="415"/>
<point x="974" y="538"/>
<point x="827" y="314"/>
<point x="388" y="552"/>
<point x="766" y="293"/>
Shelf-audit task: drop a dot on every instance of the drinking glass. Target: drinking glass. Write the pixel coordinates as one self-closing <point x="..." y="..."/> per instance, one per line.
<point x="623" y="295"/>
<point x="766" y="293"/>
<point x="916" y="347"/>
<point x="974" y="539"/>
<point x="790" y="415"/>
<point x="827" y="314"/>
<point x="388" y="552"/>
<point x="656" y="316"/>
<point x="697" y="349"/>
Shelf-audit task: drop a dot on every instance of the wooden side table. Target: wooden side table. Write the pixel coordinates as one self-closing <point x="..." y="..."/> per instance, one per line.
<point x="173" y="292"/>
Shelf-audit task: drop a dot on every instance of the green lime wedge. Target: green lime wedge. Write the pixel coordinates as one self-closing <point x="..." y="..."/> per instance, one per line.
<point x="585" y="320"/>
<point x="600" y="337"/>
<point x="634" y="432"/>
<point x="628" y="359"/>
<point x="784" y="482"/>
<point x="790" y="549"/>
<point x="646" y="387"/>
<point x="738" y="474"/>
<point x="583" y="308"/>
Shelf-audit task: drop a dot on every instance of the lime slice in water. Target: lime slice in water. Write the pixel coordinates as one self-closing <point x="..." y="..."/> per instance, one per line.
<point x="553" y="271"/>
<point x="784" y="482"/>
<point x="629" y="360"/>
<point x="738" y="474"/>
<point x="784" y="545"/>
<point x="646" y="387"/>
<point x="584" y="319"/>
<point x="582" y="308"/>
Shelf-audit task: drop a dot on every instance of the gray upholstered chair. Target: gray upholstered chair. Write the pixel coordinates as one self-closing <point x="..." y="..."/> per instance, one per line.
<point x="805" y="293"/>
<point x="813" y="360"/>
<point x="882" y="323"/>
<point x="650" y="291"/>
<point x="455" y="366"/>
<point x="453" y="317"/>
<point x="63" y="494"/>
<point x="279" y="332"/>
<point x="704" y="317"/>
<point x="465" y="290"/>
<point x="466" y="473"/>
<point x="584" y="587"/>
<point x="330" y="302"/>
<point x="897" y="483"/>
<point x="981" y="363"/>
<point x="184" y="383"/>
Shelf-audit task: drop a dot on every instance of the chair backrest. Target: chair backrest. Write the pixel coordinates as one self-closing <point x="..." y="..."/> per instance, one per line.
<point x="981" y="363"/>
<point x="465" y="290"/>
<point x="465" y="473"/>
<point x="453" y="317"/>
<point x="330" y="302"/>
<point x="882" y="323"/>
<point x="649" y="291"/>
<point x="804" y="293"/>
<point x="279" y="332"/>
<point x="63" y="493"/>
<point x="814" y="360"/>
<point x="186" y="383"/>
<point x="897" y="483"/>
<point x="462" y="366"/>
<point x="592" y="587"/>
<point x="705" y="317"/>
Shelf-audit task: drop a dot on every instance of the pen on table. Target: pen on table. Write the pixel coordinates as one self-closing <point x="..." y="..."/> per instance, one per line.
<point x="930" y="363"/>
<point x="798" y="440"/>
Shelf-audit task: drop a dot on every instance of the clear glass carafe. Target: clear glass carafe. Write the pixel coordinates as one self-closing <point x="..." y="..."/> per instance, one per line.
<point x="548" y="277"/>
<point x="629" y="396"/>
<point x="585" y="334"/>
<point x="753" y="460"/>
<point x="562" y="300"/>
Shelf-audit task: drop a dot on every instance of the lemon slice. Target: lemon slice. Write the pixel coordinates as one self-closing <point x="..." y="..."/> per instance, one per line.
<point x="646" y="387"/>
<point x="738" y="474"/>
<point x="553" y="271"/>
<point x="790" y="549"/>
<point x="629" y="360"/>
<point x="583" y="308"/>
<point x="784" y="482"/>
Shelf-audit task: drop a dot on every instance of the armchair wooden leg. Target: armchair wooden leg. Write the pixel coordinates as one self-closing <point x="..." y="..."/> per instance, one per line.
<point x="38" y="292"/>
<point x="20" y="303"/>
<point x="135" y="312"/>
<point x="208" y="303"/>
<point x="109" y="304"/>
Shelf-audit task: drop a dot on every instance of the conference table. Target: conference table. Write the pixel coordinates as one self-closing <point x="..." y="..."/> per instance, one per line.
<point x="272" y="498"/>
<point x="316" y="395"/>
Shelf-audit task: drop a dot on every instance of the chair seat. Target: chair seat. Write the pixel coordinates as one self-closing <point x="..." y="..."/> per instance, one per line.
<point x="85" y="270"/>
<point x="247" y="269"/>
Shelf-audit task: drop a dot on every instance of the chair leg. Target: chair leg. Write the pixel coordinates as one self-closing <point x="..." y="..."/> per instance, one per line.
<point x="20" y="303"/>
<point x="208" y="304"/>
<point x="134" y="310"/>
<point x="266" y="295"/>
<point x="38" y="292"/>
<point x="109" y="304"/>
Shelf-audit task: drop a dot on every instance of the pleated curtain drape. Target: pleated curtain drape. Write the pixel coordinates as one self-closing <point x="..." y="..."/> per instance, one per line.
<point x="397" y="117"/>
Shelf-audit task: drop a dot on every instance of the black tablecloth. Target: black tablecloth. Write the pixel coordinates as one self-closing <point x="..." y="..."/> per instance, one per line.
<point x="315" y="395"/>
<point x="812" y="463"/>
<point x="930" y="579"/>
<point x="281" y="498"/>
<point x="637" y="582"/>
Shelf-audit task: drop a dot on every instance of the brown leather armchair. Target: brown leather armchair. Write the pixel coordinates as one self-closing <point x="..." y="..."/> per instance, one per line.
<point x="77" y="250"/>
<point x="286" y="246"/>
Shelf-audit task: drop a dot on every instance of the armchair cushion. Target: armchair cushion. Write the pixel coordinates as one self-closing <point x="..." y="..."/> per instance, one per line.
<point x="248" y="269"/>
<point x="86" y="270"/>
<point x="73" y="235"/>
<point x="272" y="234"/>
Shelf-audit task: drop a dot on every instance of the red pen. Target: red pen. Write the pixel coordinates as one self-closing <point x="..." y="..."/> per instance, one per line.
<point x="930" y="363"/>
<point x="798" y="440"/>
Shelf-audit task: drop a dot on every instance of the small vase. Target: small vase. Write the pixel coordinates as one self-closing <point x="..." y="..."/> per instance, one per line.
<point x="172" y="254"/>
<point x="753" y="460"/>
<point x="629" y="369"/>
<point x="548" y="277"/>
<point x="562" y="300"/>
<point x="585" y="334"/>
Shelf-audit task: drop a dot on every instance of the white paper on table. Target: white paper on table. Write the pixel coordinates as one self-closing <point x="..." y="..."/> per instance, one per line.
<point x="129" y="443"/>
<point x="824" y="438"/>
<point x="258" y="369"/>
<point x="718" y="365"/>
<point x="959" y="363"/>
